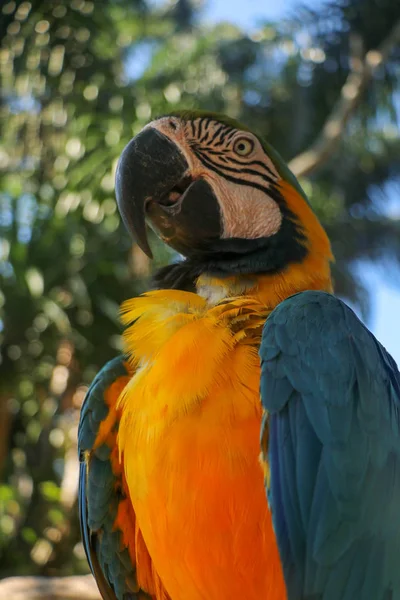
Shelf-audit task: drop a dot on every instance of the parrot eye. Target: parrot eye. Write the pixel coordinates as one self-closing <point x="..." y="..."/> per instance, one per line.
<point x="243" y="146"/>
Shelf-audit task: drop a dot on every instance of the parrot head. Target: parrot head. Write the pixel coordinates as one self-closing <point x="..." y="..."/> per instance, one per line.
<point x="218" y="194"/>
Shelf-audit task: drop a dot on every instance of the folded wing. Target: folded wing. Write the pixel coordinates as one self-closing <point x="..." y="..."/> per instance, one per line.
<point x="331" y="444"/>
<point x="115" y="550"/>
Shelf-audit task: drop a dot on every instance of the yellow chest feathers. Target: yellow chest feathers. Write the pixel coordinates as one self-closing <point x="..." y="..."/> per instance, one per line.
<point x="193" y="362"/>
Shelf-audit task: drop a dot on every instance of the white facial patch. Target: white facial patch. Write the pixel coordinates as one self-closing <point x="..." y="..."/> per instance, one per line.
<point x="247" y="211"/>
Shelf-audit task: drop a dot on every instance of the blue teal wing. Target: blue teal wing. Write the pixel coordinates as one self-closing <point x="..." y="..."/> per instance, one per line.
<point x="101" y="488"/>
<point x="331" y="440"/>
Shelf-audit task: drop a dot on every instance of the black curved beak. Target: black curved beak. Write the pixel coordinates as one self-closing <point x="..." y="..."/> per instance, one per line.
<point x="153" y="184"/>
<point x="149" y="166"/>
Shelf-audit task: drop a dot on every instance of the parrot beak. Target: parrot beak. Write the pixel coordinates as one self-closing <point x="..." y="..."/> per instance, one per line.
<point x="153" y="184"/>
<point x="149" y="166"/>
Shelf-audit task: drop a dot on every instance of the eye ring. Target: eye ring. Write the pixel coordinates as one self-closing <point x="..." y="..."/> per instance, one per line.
<point x="243" y="146"/>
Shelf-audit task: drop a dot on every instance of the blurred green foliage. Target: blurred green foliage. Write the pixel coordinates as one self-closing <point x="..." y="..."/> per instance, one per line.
<point x="78" y="80"/>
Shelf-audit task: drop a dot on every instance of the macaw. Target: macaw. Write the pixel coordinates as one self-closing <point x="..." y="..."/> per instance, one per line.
<point x="242" y="340"/>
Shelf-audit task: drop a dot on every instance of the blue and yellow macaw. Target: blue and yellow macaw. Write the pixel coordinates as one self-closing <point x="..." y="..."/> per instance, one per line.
<point x="243" y="336"/>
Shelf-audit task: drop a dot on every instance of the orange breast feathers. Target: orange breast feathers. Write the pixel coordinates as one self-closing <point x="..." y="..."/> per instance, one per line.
<point x="189" y="433"/>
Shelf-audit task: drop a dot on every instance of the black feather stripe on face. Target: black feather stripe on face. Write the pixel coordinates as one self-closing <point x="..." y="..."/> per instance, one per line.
<point x="236" y="256"/>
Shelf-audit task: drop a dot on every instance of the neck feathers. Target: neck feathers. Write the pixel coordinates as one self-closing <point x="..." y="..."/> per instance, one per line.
<point x="310" y="270"/>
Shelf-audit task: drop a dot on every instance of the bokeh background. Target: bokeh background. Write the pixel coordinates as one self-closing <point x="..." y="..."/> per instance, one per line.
<point x="78" y="80"/>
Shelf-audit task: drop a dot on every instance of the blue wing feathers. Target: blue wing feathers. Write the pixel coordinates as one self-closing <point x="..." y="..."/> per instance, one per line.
<point x="99" y="494"/>
<point x="332" y="394"/>
<point x="83" y="513"/>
